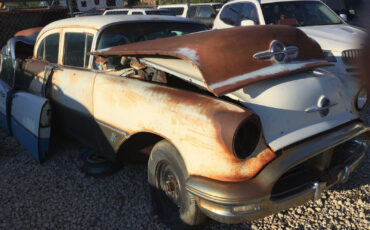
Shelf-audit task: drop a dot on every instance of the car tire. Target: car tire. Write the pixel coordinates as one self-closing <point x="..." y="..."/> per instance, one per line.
<point x="96" y="165"/>
<point x="173" y="204"/>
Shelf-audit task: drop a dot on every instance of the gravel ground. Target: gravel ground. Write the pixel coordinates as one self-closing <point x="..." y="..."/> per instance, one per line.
<point x="57" y="195"/>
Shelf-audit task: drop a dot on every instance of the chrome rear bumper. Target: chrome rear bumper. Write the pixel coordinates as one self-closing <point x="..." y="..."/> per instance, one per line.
<point x="233" y="202"/>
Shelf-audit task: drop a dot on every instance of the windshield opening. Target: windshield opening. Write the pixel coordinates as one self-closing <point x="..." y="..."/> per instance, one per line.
<point x="300" y="13"/>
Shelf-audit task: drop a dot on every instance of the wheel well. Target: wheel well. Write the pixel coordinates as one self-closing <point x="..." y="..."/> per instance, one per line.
<point x="137" y="148"/>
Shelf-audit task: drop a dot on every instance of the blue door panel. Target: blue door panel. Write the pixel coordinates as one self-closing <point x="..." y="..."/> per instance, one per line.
<point x="26" y="139"/>
<point x="30" y="123"/>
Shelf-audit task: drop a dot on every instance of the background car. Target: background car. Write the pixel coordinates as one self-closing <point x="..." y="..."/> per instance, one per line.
<point x="340" y="42"/>
<point x="137" y="11"/>
<point x="352" y="11"/>
<point x="204" y="12"/>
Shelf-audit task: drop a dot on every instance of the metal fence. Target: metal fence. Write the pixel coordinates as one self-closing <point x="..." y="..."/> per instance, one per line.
<point x="14" y="20"/>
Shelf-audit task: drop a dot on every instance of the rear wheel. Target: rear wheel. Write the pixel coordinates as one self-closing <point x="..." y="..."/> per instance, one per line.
<point x="167" y="174"/>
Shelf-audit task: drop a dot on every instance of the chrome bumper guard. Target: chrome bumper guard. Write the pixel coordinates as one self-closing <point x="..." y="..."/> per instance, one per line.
<point x="234" y="202"/>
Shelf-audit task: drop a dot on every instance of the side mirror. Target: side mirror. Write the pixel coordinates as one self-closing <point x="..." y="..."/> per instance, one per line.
<point x="344" y="17"/>
<point x="247" y="22"/>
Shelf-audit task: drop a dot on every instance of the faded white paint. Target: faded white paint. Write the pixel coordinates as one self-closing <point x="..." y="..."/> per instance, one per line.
<point x="190" y="54"/>
<point x="33" y="104"/>
<point x="74" y="89"/>
<point x="281" y="103"/>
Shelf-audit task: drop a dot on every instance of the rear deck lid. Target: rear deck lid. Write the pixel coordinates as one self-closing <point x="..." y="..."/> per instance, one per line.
<point x="229" y="59"/>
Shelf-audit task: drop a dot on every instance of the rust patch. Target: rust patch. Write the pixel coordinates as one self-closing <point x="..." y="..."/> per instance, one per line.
<point x="225" y="120"/>
<point x="226" y="123"/>
<point x="255" y="164"/>
<point x="220" y="59"/>
<point x="247" y="169"/>
<point x="136" y="65"/>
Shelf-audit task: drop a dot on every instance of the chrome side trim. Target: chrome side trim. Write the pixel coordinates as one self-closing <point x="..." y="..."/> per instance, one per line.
<point x="318" y="109"/>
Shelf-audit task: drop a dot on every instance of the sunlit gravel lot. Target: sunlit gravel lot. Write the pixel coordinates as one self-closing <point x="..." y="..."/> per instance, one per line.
<point x="57" y="195"/>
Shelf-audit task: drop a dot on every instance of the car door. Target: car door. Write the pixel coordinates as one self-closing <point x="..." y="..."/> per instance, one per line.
<point x="72" y="92"/>
<point x="30" y="110"/>
<point x="30" y="123"/>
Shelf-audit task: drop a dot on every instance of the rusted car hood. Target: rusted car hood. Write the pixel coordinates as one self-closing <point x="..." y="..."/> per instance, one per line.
<point x="225" y="59"/>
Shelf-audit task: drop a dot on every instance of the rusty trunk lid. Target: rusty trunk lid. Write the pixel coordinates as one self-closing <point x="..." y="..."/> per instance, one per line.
<point x="225" y="58"/>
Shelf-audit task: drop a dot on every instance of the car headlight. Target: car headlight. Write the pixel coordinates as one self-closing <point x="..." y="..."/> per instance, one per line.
<point x="247" y="137"/>
<point x="329" y="56"/>
<point x="361" y="99"/>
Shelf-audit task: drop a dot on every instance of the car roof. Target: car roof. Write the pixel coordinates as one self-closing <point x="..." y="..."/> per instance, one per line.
<point x="99" y="21"/>
<point x="271" y="1"/>
<point x="133" y="9"/>
<point x="192" y="4"/>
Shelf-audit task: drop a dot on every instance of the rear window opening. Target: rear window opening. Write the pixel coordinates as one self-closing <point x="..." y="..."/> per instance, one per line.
<point x="136" y="32"/>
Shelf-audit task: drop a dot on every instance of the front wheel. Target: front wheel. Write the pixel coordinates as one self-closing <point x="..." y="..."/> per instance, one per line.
<point x="167" y="174"/>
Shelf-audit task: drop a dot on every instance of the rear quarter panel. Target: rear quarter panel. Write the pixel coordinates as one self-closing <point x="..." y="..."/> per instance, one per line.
<point x="200" y="127"/>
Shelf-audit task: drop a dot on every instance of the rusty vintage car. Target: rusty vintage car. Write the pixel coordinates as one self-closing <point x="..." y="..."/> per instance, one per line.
<point x="235" y="129"/>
